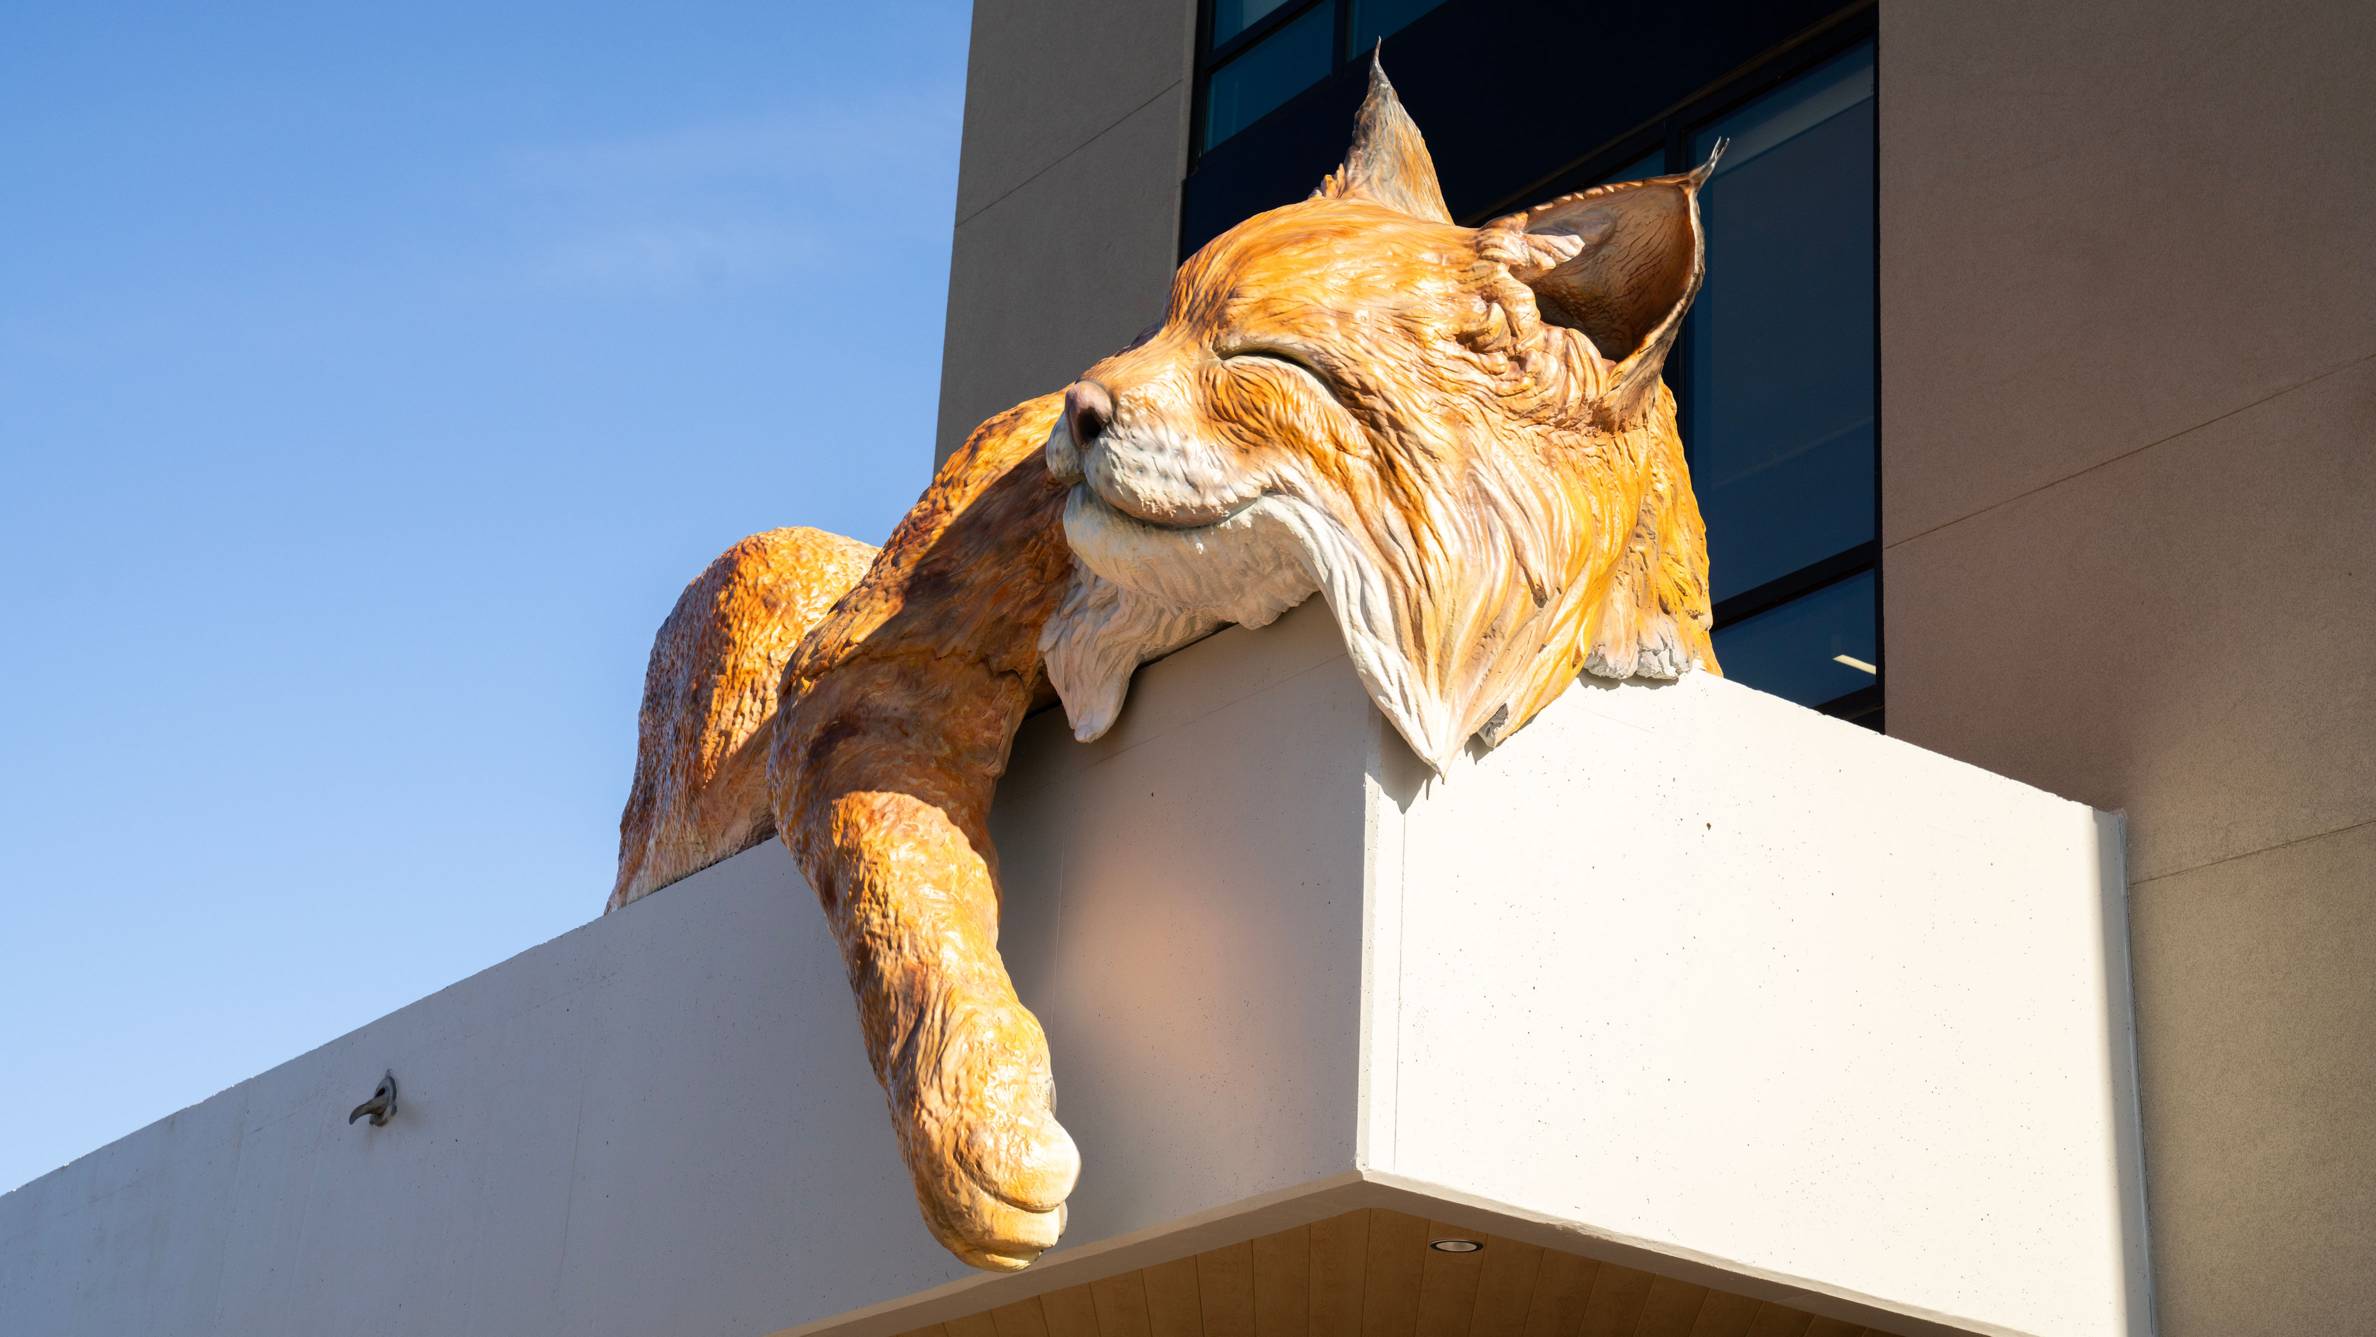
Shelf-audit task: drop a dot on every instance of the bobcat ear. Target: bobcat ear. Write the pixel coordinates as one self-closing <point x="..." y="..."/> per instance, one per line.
<point x="1619" y="262"/>
<point x="1388" y="163"/>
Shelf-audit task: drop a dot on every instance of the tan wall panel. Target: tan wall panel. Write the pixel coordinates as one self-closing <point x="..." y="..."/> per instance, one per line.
<point x="2188" y="633"/>
<point x="2102" y="224"/>
<point x="2129" y="416"/>
<point x="1044" y="77"/>
<point x="1064" y="269"/>
<point x="2259" y="1022"/>
<point x="1068" y="194"/>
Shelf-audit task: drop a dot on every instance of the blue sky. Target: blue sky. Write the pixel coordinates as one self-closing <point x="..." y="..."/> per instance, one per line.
<point x="371" y="380"/>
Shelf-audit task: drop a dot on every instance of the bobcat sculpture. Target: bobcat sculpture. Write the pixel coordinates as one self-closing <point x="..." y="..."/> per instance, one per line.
<point x="1458" y="437"/>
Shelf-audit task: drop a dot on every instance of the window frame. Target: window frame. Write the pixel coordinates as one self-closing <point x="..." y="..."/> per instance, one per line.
<point x="1209" y="59"/>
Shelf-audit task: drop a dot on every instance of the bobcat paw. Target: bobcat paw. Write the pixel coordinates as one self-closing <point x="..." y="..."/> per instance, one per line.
<point x="975" y="1106"/>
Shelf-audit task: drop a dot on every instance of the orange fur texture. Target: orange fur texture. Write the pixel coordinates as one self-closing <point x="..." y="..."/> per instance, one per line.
<point x="1458" y="437"/>
<point x="700" y="792"/>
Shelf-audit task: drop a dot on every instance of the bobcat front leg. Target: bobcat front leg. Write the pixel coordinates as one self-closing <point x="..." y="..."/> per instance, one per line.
<point x="898" y="711"/>
<point x="889" y="831"/>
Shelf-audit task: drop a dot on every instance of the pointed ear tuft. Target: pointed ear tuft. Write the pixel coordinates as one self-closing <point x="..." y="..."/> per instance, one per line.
<point x="1388" y="163"/>
<point x="1619" y="262"/>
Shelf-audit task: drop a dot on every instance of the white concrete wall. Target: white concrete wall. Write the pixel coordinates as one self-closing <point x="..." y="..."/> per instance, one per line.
<point x="1686" y="977"/>
<point x="1204" y="957"/>
<point x="631" y="1129"/>
<point x="1787" y="995"/>
<point x="663" y="1122"/>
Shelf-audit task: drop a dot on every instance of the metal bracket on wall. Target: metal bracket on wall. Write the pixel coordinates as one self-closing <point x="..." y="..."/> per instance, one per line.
<point x="382" y="1105"/>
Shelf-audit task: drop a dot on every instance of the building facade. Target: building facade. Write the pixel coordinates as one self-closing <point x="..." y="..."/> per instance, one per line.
<point x="2032" y="403"/>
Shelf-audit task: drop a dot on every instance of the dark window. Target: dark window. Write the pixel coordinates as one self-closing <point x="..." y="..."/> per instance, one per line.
<point x="1258" y="53"/>
<point x="1817" y="648"/>
<point x="1781" y="340"/>
<point x="1373" y="20"/>
<point x="1775" y="372"/>
<point x="1779" y="386"/>
<point x="1231" y="17"/>
<point x="1283" y="60"/>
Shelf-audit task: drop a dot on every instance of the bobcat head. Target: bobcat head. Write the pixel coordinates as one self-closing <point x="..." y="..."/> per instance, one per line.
<point x="1458" y="436"/>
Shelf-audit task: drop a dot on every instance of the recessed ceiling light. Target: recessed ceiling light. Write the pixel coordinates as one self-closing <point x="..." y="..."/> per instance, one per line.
<point x="1455" y="1246"/>
<point x="1855" y="663"/>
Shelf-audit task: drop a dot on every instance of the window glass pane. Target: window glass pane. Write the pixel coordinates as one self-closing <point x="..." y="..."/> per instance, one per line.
<point x="1268" y="73"/>
<point x="1651" y="165"/>
<point x="1231" y="17"/>
<point x="1781" y="341"/>
<point x="1373" y="19"/>
<point x="1816" y="648"/>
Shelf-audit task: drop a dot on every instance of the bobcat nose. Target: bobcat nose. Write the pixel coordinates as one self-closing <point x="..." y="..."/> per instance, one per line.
<point x="1088" y="410"/>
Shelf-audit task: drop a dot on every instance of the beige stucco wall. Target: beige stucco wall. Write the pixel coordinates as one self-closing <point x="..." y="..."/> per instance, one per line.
<point x="2129" y="420"/>
<point x="2128" y="295"/>
<point x="1068" y="194"/>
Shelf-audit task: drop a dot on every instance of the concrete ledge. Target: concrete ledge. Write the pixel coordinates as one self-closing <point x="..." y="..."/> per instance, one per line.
<point x="1685" y="978"/>
<point x="1692" y="968"/>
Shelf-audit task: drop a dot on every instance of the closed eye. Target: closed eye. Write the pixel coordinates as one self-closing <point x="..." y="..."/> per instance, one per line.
<point x="1274" y="353"/>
